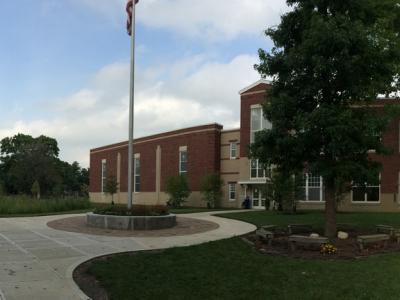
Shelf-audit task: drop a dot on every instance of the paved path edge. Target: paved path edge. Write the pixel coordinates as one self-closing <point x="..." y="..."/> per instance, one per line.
<point x="219" y="220"/>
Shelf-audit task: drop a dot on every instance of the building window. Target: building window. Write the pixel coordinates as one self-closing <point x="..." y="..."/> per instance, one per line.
<point x="312" y="188"/>
<point x="103" y="174"/>
<point x="232" y="191"/>
<point x="137" y="174"/>
<point x="258" y="170"/>
<point x="183" y="161"/>
<point x="233" y="150"/>
<point x="370" y="192"/>
<point x="258" y="122"/>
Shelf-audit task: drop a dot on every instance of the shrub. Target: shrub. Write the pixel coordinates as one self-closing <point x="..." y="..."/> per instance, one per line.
<point x="211" y="189"/>
<point x="178" y="190"/>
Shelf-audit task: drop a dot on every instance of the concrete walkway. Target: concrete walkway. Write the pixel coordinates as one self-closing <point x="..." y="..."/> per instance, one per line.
<point x="36" y="262"/>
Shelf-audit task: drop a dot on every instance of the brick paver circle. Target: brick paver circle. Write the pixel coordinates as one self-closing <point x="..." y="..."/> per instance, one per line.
<point x="185" y="226"/>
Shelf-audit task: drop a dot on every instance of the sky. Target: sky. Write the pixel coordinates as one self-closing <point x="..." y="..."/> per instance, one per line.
<point x="64" y="66"/>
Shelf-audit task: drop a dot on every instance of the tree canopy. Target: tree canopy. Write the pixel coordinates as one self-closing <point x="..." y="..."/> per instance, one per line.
<point x="330" y="61"/>
<point x="25" y="160"/>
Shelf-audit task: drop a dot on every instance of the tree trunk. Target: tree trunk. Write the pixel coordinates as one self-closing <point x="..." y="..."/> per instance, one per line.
<point x="330" y="211"/>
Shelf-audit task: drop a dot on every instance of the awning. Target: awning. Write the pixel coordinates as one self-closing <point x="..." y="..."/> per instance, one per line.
<point x="251" y="182"/>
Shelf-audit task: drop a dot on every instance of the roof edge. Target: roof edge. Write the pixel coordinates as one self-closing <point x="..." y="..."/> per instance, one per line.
<point x="261" y="81"/>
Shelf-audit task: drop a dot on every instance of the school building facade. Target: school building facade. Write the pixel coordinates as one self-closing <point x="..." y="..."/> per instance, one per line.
<point x="201" y="150"/>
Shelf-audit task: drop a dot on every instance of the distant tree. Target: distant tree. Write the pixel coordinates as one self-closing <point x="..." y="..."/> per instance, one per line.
<point x="35" y="189"/>
<point x="25" y="159"/>
<point x="329" y="57"/>
<point x="211" y="188"/>
<point x="111" y="187"/>
<point x="178" y="190"/>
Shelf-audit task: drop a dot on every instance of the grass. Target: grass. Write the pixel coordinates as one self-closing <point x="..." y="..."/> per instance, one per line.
<point x="315" y="218"/>
<point x="14" y="206"/>
<point x="231" y="269"/>
<point x="192" y="210"/>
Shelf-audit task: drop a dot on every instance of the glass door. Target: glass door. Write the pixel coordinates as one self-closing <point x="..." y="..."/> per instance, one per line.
<point x="258" y="198"/>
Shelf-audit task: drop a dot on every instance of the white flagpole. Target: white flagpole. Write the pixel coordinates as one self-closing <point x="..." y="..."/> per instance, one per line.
<point x="131" y="109"/>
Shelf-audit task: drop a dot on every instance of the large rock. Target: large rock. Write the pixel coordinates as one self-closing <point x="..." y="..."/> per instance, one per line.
<point x="343" y="235"/>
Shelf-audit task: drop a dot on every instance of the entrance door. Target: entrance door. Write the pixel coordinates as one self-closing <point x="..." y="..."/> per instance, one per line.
<point x="258" y="198"/>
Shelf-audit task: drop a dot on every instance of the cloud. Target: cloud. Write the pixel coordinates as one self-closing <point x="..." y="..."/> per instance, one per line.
<point x="215" y="20"/>
<point x="191" y="91"/>
<point x="209" y="20"/>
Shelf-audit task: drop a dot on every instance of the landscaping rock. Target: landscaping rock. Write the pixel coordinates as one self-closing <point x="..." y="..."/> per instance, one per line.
<point x="343" y="235"/>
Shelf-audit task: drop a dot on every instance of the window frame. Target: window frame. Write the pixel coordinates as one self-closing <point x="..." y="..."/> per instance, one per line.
<point x="264" y="123"/>
<point x="230" y="191"/>
<point x="103" y="174"/>
<point x="181" y="151"/>
<point x="266" y="172"/>
<point x="233" y="147"/>
<point x="306" y="188"/>
<point x="136" y="174"/>
<point x="366" y="194"/>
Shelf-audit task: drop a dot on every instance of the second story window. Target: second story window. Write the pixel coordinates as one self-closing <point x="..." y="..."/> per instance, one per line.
<point x="103" y="174"/>
<point x="258" y="170"/>
<point x="258" y="122"/>
<point x="233" y="150"/>
<point x="183" y="159"/>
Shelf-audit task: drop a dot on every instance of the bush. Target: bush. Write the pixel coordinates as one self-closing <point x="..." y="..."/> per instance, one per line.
<point x="211" y="189"/>
<point x="15" y="205"/>
<point x="178" y="190"/>
<point x="136" y="210"/>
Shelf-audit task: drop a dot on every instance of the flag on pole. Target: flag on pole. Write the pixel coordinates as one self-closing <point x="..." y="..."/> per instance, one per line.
<point x="129" y="8"/>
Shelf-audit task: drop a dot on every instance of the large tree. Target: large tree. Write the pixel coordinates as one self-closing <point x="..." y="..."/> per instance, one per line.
<point x="25" y="160"/>
<point x="331" y="59"/>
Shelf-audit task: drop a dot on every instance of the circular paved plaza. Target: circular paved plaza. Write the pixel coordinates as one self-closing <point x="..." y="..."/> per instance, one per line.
<point x="37" y="261"/>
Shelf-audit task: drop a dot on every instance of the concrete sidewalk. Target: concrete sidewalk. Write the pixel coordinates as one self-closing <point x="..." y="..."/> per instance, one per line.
<point x="36" y="262"/>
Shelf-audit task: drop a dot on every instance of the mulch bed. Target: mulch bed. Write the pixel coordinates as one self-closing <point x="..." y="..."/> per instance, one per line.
<point x="185" y="226"/>
<point x="346" y="249"/>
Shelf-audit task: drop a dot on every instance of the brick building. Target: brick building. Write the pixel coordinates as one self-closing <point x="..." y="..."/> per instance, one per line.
<point x="205" y="149"/>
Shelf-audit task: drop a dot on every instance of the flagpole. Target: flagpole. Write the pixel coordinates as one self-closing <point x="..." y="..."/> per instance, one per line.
<point x="131" y="110"/>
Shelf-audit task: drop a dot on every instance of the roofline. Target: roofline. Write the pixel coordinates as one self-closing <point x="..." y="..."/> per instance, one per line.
<point x="264" y="81"/>
<point x="230" y="130"/>
<point x="164" y="134"/>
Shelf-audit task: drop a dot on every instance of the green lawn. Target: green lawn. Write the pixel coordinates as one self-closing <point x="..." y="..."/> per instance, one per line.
<point x="16" y="206"/>
<point x="192" y="210"/>
<point x="231" y="269"/>
<point x="315" y="218"/>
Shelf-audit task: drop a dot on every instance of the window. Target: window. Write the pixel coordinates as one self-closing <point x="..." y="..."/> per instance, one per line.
<point x="232" y="191"/>
<point x="257" y="170"/>
<point x="258" y="122"/>
<point x="233" y="150"/>
<point x="137" y="174"/>
<point x="183" y="161"/>
<point x="103" y="174"/>
<point x="370" y="192"/>
<point x="312" y="188"/>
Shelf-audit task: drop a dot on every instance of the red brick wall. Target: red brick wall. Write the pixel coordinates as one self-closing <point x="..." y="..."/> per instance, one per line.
<point x="248" y="99"/>
<point x="390" y="163"/>
<point x="203" y="145"/>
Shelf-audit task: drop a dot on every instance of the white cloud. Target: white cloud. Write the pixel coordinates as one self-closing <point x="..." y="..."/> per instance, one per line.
<point x="211" y="20"/>
<point x="98" y="113"/>
<point x="215" y="20"/>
